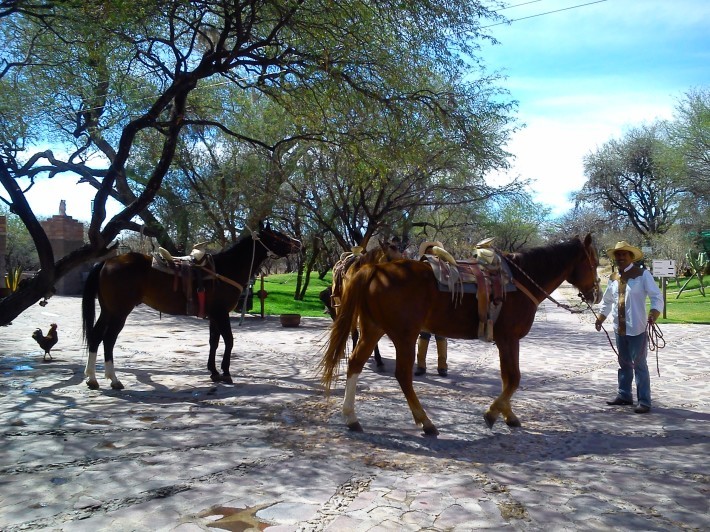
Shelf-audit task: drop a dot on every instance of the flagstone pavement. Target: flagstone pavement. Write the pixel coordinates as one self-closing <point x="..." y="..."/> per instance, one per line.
<point x="175" y="452"/>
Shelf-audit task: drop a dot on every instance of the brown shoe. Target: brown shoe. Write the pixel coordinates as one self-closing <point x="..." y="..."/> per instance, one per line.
<point x="642" y="409"/>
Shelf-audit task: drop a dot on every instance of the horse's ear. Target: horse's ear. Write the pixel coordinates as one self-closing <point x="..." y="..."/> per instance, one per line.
<point x="588" y="240"/>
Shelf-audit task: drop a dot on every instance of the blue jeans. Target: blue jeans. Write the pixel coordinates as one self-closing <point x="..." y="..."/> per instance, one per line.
<point x="632" y="363"/>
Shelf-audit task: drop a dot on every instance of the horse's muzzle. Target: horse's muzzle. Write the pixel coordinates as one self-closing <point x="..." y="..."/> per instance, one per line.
<point x="593" y="296"/>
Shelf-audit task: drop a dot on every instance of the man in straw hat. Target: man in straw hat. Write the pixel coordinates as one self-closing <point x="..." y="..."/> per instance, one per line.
<point x="424" y="337"/>
<point x="625" y="300"/>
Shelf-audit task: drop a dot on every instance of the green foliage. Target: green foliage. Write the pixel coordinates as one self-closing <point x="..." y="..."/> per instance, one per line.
<point x="639" y="178"/>
<point x="20" y="251"/>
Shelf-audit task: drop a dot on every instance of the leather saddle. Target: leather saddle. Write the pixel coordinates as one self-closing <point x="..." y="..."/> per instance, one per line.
<point x="187" y="270"/>
<point x="486" y="274"/>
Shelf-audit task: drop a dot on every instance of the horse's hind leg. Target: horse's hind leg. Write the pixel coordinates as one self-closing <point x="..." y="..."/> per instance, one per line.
<point x="406" y="351"/>
<point x="378" y="359"/>
<point x="95" y="337"/>
<point x="112" y="330"/>
<point x="357" y="361"/>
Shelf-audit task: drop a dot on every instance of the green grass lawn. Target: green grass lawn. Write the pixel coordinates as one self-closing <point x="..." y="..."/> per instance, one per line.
<point x="691" y="307"/>
<point x="280" y="290"/>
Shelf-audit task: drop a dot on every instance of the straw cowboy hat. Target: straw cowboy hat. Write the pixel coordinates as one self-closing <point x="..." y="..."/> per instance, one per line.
<point x="623" y="245"/>
<point x="427" y="244"/>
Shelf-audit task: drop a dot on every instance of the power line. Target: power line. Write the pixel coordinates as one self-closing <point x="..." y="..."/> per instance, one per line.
<point x="518" y="5"/>
<point x="541" y="14"/>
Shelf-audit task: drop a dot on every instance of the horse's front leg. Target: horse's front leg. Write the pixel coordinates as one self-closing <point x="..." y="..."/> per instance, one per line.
<point x="406" y="350"/>
<point x="214" y="342"/>
<point x="225" y="330"/>
<point x="509" y="354"/>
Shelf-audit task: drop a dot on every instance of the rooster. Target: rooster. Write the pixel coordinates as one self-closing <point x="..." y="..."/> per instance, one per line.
<point x="46" y="342"/>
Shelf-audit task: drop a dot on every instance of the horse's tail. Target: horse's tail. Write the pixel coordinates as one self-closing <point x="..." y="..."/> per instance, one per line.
<point x="345" y="321"/>
<point x="88" y="308"/>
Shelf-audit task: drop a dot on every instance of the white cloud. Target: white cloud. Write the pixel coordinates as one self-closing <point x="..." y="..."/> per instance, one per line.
<point x="585" y="75"/>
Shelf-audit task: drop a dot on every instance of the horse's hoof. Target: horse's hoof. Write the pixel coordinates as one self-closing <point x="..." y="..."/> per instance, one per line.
<point x="92" y="384"/>
<point x="227" y="379"/>
<point x="431" y="431"/>
<point x="381" y="367"/>
<point x="512" y="421"/>
<point x="215" y="377"/>
<point x="490" y="419"/>
<point x="355" y="427"/>
<point x="117" y="386"/>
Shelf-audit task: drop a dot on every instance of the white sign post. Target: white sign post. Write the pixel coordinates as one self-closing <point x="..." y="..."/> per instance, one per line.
<point x="664" y="269"/>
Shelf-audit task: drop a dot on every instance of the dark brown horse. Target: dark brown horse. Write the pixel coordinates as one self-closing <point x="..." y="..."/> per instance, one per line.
<point x="123" y="282"/>
<point x="343" y="271"/>
<point x="401" y="298"/>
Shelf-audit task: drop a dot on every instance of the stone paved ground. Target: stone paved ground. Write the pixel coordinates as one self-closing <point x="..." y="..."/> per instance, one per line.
<point x="174" y="452"/>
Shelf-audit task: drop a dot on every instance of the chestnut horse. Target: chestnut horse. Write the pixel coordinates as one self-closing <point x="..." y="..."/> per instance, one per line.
<point x="345" y="268"/>
<point x="401" y="298"/>
<point x="125" y="281"/>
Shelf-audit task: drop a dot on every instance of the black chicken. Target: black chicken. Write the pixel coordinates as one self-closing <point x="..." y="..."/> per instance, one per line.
<point x="46" y="342"/>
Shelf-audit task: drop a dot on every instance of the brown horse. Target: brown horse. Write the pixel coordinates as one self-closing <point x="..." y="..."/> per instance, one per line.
<point x="343" y="271"/>
<point x="376" y="295"/>
<point x="123" y="282"/>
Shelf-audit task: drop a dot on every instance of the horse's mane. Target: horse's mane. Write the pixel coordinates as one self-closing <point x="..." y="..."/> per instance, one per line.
<point x="241" y="242"/>
<point x="539" y="261"/>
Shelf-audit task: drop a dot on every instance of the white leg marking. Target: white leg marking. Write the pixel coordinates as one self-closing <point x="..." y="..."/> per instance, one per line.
<point x="90" y="370"/>
<point x="349" y="400"/>
<point x="110" y="373"/>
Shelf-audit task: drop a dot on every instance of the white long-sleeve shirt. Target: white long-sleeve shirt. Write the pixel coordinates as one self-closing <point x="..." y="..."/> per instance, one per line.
<point x="637" y="290"/>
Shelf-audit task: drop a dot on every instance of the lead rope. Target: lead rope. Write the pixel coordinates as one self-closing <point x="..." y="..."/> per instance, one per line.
<point x="655" y="341"/>
<point x="654" y="336"/>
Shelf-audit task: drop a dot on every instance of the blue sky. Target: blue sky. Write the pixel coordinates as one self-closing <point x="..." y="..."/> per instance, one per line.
<point x="582" y="76"/>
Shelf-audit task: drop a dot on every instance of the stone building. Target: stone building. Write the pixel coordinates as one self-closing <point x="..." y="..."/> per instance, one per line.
<point x="66" y="234"/>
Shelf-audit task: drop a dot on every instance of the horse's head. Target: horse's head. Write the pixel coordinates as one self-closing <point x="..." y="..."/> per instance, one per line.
<point x="275" y="242"/>
<point x="391" y="249"/>
<point x="584" y="274"/>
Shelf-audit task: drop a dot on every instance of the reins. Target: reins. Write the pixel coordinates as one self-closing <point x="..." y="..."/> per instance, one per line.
<point x="522" y="288"/>
<point x="655" y="341"/>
